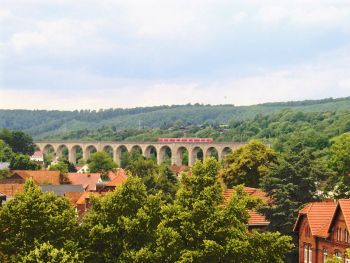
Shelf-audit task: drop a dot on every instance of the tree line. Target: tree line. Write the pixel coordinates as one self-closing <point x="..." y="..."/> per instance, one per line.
<point x="41" y="123"/>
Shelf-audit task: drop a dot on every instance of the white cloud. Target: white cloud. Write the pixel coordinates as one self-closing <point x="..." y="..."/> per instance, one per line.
<point x="324" y="77"/>
<point x="170" y="52"/>
<point x="57" y="36"/>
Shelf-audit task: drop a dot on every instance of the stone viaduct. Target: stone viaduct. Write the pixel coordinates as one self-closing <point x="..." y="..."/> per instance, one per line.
<point x="175" y="150"/>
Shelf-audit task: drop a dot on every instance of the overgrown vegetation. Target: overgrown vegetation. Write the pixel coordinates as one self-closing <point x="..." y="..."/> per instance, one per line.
<point x="170" y="120"/>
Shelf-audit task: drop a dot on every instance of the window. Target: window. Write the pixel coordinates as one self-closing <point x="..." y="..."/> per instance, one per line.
<point x="325" y="255"/>
<point x="307" y="253"/>
<point x="337" y="254"/>
<point x="345" y="236"/>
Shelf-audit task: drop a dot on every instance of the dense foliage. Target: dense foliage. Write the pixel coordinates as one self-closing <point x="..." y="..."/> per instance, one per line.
<point x="156" y="217"/>
<point x="248" y="164"/>
<point x="111" y="123"/>
<point x="101" y="162"/>
<point x="132" y="225"/>
<point x="35" y="217"/>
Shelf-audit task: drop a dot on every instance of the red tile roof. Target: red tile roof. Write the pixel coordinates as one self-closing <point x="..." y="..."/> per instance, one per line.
<point x="39" y="177"/>
<point x="119" y="177"/>
<point x="178" y="168"/>
<point x="256" y="219"/>
<point x="319" y="216"/>
<point x="11" y="189"/>
<point x="38" y="154"/>
<point x="73" y="197"/>
<point x="88" y="180"/>
<point x="344" y="205"/>
<point x="86" y="195"/>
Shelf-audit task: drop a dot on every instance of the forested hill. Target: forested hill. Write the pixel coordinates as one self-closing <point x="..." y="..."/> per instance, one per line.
<point x="52" y="124"/>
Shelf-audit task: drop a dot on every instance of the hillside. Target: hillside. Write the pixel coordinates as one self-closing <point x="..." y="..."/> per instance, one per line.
<point x="52" y="124"/>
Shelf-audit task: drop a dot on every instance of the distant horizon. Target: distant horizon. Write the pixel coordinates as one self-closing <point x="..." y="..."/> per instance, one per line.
<point x="192" y="104"/>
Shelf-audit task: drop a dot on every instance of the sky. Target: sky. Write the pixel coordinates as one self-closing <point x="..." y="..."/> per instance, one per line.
<point x="92" y="54"/>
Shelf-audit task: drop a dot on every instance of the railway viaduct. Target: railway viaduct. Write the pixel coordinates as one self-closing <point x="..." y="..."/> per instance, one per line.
<point x="175" y="150"/>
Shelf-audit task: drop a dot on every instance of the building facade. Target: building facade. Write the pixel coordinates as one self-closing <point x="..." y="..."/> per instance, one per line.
<point x="323" y="231"/>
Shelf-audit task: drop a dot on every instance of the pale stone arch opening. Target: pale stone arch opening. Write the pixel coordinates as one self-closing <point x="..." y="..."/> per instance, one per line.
<point x="76" y="154"/>
<point x="164" y="155"/>
<point x="48" y="149"/>
<point x="88" y="151"/>
<point x="212" y="152"/>
<point x="49" y="154"/>
<point x="226" y="151"/>
<point x="197" y="154"/>
<point x="182" y="156"/>
<point x="151" y="152"/>
<point x="62" y="152"/>
<point x="136" y="149"/>
<point x="119" y="153"/>
<point x="109" y="150"/>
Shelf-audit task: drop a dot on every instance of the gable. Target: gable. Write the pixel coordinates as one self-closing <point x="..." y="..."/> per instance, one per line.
<point x="16" y="176"/>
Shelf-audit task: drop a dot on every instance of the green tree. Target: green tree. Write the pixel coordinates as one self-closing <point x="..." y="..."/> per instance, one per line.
<point x="146" y="169"/>
<point x="19" y="141"/>
<point x="198" y="228"/>
<point x="33" y="216"/>
<point x="121" y="225"/>
<point x="334" y="259"/>
<point x="248" y="164"/>
<point x="45" y="253"/>
<point x="294" y="180"/>
<point x="23" y="162"/>
<point x="338" y="185"/>
<point x="62" y="167"/>
<point x="166" y="182"/>
<point x="101" y="162"/>
<point x="6" y="152"/>
<point x="4" y="173"/>
<point x="339" y="153"/>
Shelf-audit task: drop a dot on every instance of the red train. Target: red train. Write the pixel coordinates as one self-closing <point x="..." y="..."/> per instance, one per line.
<point x="185" y="139"/>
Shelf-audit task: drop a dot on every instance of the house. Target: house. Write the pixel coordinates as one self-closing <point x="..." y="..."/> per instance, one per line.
<point x="39" y="177"/>
<point x="256" y="220"/>
<point x="60" y="190"/>
<point x="82" y="169"/>
<point x="15" y="183"/>
<point x="87" y="180"/>
<point x="38" y="157"/>
<point x="81" y="201"/>
<point x="323" y="230"/>
<point x="8" y="191"/>
<point x="117" y="177"/>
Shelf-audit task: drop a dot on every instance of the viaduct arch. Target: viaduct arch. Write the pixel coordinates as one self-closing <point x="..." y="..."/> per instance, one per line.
<point x="161" y="150"/>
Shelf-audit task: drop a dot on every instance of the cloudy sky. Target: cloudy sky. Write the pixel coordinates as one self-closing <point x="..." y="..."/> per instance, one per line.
<point x="73" y="54"/>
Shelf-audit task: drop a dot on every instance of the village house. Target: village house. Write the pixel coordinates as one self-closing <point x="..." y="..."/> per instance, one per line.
<point x="38" y="157"/>
<point x="87" y="180"/>
<point x="60" y="190"/>
<point x="256" y="220"/>
<point x="39" y="177"/>
<point x="323" y="230"/>
<point x="14" y="184"/>
<point x="81" y="201"/>
<point x="117" y="177"/>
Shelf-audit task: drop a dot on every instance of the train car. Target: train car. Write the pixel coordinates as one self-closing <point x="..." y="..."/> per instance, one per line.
<point x="208" y="140"/>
